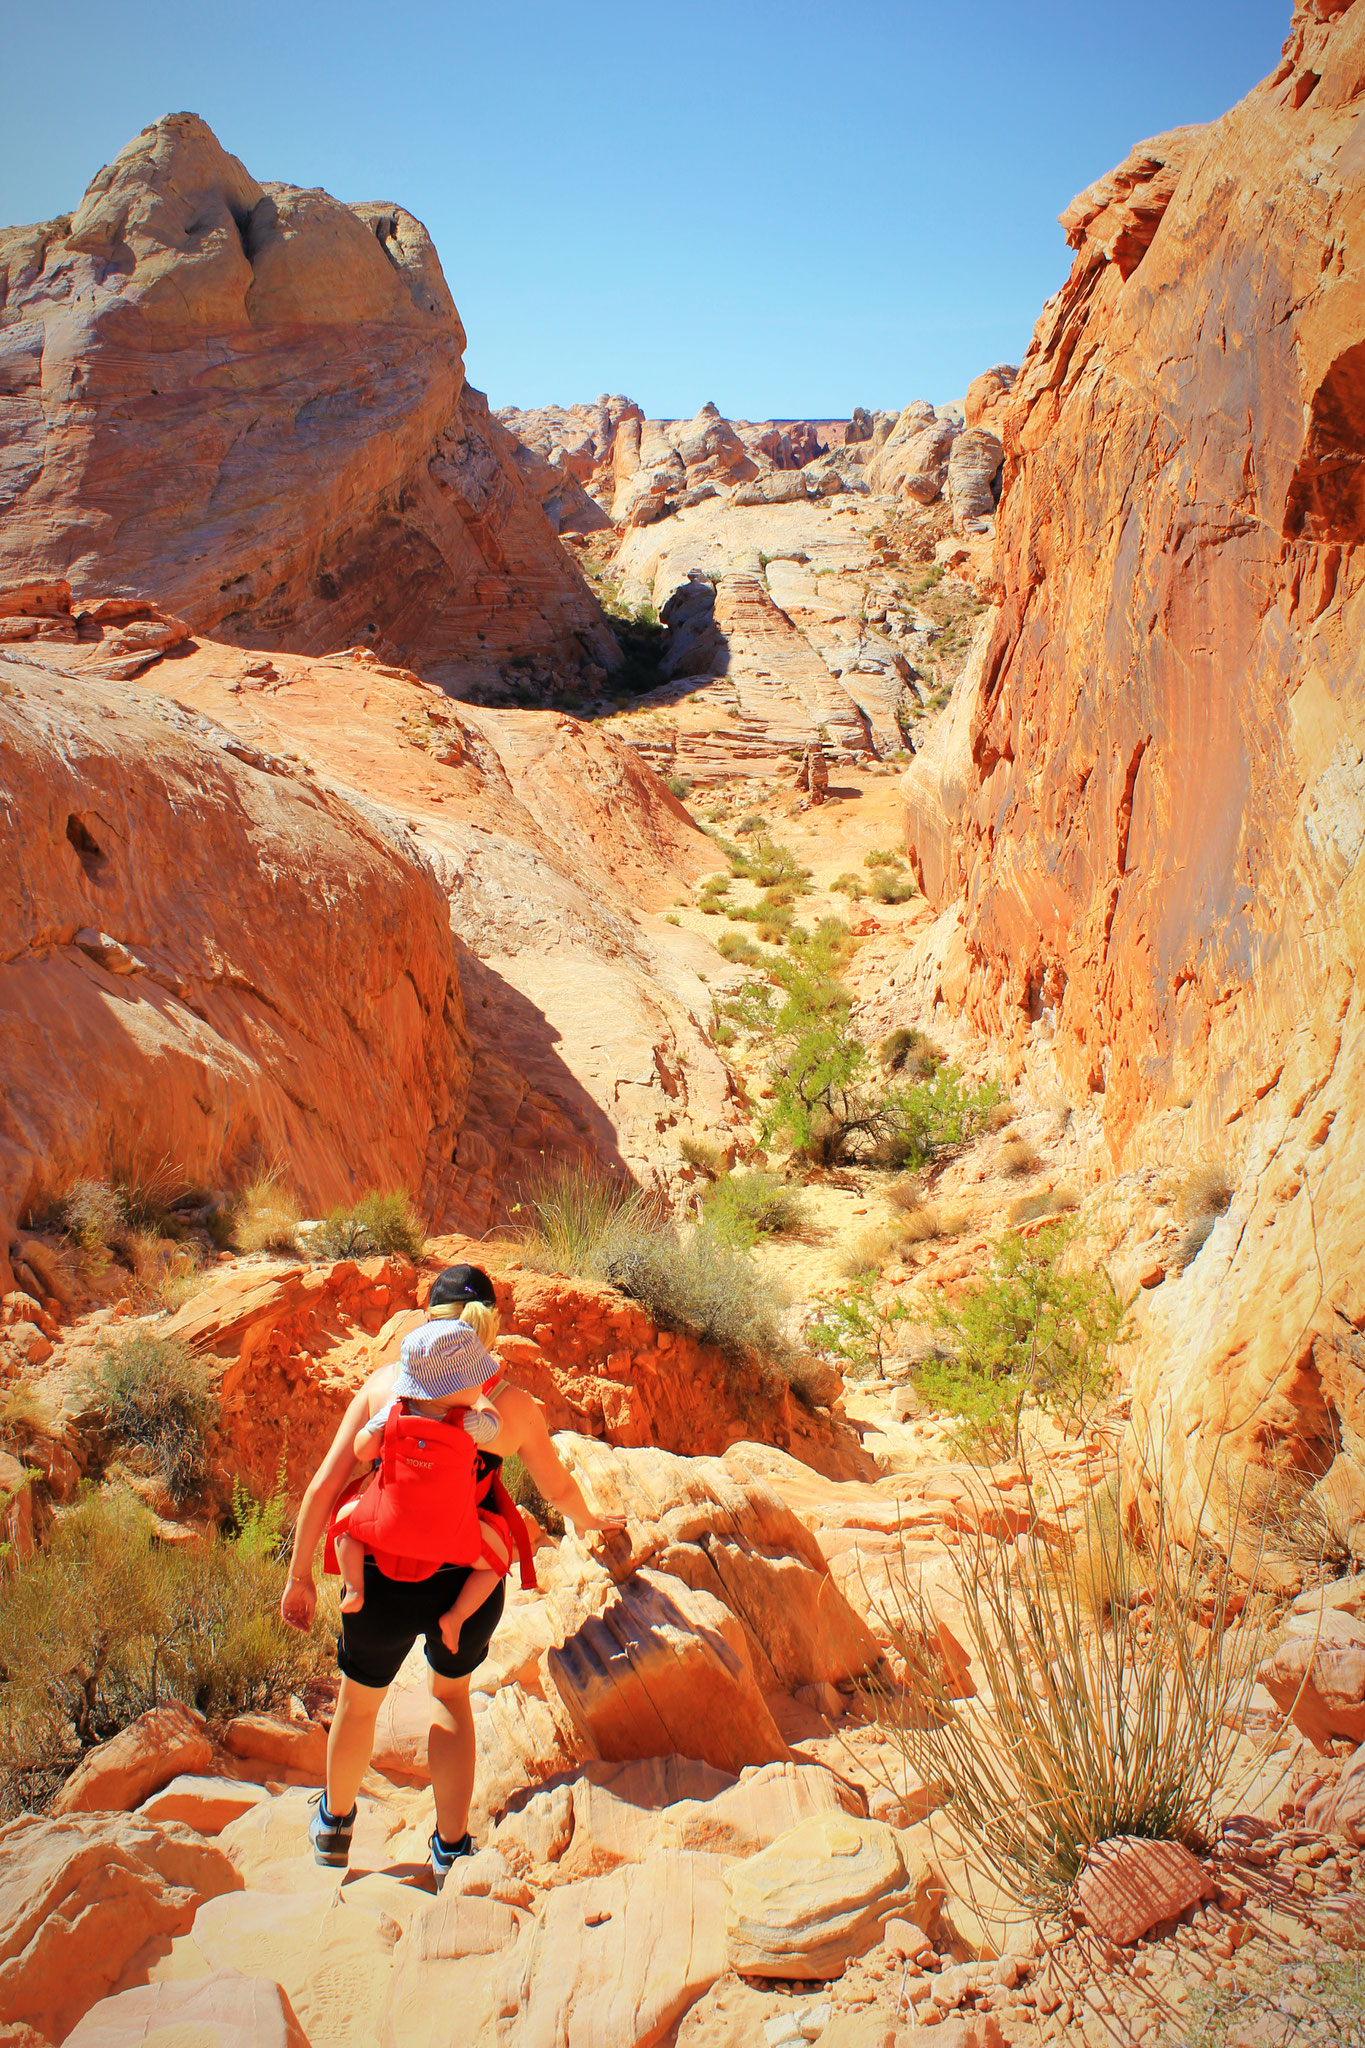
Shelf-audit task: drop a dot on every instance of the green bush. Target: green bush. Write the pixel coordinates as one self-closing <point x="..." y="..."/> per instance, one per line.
<point x="381" y="1224"/>
<point x="703" y="1155"/>
<point x="679" y="786"/>
<point x="768" y="864"/>
<point x="104" y="1623"/>
<point x="1036" y="1329"/>
<point x="570" y="1211"/>
<point x="735" y="947"/>
<point x="908" y="1048"/>
<point x="856" y="1328"/>
<point x="742" y="1207"/>
<point x="892" y="888"/>
<point x="882" y="857"/>
<point x="157" y="1396"/>
<point x="752" y="821"/>
<point x="851" y="886"/>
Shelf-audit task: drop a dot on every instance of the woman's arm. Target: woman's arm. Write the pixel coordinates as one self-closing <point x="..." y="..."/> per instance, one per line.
<point x="525" y="1433"/>
<point x="299" y="1599"/>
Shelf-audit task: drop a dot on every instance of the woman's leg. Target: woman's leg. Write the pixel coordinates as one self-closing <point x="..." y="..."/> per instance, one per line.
<point x="450" y="1754"/>
<point x="350" y="1742"/>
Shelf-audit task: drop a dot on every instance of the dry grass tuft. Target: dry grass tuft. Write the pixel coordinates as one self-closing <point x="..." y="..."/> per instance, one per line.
<point x="1017" y="1157"/>
<point x="868" y="1252"/>
<point x="383" y="1224"/>
<point x="267" y="1218"/>
<point x="905" y="1193"/>
<point x="703" y="1155"/>
<point x="1031" y="1208"/>
<point x="1205" y="1191"/>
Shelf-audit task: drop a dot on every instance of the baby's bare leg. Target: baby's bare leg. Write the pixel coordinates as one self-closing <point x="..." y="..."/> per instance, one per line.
<point x="351" y="1558"/>
<point x="469" y="1600"/>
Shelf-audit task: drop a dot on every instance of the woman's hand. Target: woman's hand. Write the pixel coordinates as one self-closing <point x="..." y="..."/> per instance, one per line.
<point x="298" y="1603"/>
<point x="584" y="1524"/>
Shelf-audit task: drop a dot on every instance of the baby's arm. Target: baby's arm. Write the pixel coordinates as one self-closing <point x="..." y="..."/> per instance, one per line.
<point x="370" y="1435"/>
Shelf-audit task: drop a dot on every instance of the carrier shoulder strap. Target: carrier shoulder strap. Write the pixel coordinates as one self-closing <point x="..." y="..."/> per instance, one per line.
<point x="512" y="1515"/>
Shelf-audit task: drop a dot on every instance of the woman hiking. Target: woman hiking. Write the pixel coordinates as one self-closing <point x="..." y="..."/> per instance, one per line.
<point x="446" y="1385"/>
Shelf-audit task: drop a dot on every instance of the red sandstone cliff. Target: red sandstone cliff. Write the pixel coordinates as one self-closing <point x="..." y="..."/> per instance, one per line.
<point x="1147" y="815"/>
<point x="248" y="402"/>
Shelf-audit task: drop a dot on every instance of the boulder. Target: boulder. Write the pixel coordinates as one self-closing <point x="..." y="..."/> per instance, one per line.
<point x="1338" y="1807"/>
<point x="83" y="1898"/>
<point x="973" y="471"/>
<point x="205" y="1804"/>
<point x="289" y="1745"/>
<point x="615" y="1959"/>
<point x="819" y="1896"/>
<point x="664" y="1670"/>
<point x="447" y="1964"/>
<point x="1316" y="1675"/>
<point x="119" y="1774"/>
<point x="222" y="2011"/>
<point x="1129" y="1884"/>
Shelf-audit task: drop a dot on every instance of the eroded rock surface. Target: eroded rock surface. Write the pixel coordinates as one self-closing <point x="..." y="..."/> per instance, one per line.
<point x="191" y="341"/>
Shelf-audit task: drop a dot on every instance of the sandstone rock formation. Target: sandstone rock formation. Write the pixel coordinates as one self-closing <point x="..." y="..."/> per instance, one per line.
<point x="1144" y="823"/>
<point x="248" y="402"/>
<point x="158" y="860"/>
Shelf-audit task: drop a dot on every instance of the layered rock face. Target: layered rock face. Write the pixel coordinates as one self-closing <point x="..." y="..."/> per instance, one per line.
<point x="1148" y="812"/>
<point x="248" y="402"/>
<point x="149" y="1009"/>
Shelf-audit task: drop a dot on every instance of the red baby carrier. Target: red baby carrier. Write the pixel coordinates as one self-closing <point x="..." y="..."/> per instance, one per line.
<point x="427" y="1504"/>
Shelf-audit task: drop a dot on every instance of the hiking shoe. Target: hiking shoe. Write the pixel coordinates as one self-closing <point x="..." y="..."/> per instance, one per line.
<point x="331" y="1838"/>
<point x="445" y="1855"/>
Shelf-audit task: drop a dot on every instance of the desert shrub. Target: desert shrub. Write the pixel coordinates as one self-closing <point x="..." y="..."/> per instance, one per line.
<point x="1036" y="1329"/>
<point x="769" y="864"/>
<point x="921" y="1224"/>
<point x="889" y="887"/>
<point x="735" y="947"/>
<point x="581" y="1222"/>
<point x="713" y="892"/>
<point x="104" y="1623"/>
<point x="701" y="1153"/>
<point x="1017" y="1157"/>
<point x="933" y="1116"/>
<point x="1086" y="1725"/>
<point x="742" y="1207"/>
<point x="380" y="1224"/>
<point x="851" y="886"/>
<point x="881" y="858"/>
<point x="854" y="1327"/>
<point x="528" y="1495"/>
<point x="752" y="821"/>
<point x="700" y="1283"/>
<point x="678" y="786"/>
<point x="1206" y="1190"/>
<point x="156" y="1396"/>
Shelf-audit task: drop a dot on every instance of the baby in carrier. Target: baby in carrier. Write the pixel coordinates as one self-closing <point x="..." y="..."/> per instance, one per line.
<point x="422" y="1508"/>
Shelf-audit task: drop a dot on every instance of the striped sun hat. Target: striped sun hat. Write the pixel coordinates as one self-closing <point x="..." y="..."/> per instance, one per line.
<point x="441" y="1357"/>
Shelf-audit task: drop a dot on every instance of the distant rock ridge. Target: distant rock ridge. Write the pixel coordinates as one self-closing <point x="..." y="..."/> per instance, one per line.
<point x="594" y="465"/>
<point x="248" y="402"/>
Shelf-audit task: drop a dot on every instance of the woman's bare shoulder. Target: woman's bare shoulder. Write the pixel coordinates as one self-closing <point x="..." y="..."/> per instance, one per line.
<point x="378" y="1388"/>
<point x="520" y="1414"/>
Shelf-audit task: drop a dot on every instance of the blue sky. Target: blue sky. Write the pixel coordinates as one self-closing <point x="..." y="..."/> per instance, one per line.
<point x="790" y="206"/>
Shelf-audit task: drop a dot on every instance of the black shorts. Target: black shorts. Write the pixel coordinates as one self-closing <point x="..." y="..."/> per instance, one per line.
<point x="374" y="1642"/>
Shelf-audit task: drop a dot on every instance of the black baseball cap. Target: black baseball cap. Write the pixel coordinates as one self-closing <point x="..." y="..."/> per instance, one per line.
<point x="461" y="1283"/>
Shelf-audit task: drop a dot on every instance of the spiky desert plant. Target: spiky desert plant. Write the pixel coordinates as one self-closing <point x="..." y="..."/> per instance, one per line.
<point x="1085" y="1725"/>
